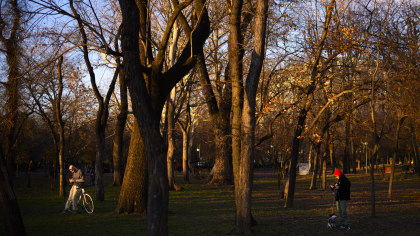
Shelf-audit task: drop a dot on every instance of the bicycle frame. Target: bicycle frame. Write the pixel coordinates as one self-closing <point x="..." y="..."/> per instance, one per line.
<point x="82" y="194"/>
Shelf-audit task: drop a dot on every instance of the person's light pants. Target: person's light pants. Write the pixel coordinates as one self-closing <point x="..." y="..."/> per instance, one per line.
<point x="74" y="192"/>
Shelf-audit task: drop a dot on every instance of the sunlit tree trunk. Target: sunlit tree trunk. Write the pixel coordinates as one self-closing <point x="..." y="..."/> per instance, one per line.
<point x="170" y="106"/>
<point x="133" y="195"/>
<point x="243" y="203"/>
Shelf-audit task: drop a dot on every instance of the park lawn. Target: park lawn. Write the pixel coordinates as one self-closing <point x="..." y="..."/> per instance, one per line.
<point x="205" y="210"/>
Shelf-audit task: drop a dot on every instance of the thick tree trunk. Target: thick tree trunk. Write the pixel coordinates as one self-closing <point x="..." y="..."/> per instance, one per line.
<point x="244" y="189"/>
<point x="133" y="195"/>
<point x="221" y="173"/>
<point x="149" y="90"/>
<point x="100" y="148"/>
<point x="117" y="151"/>
<point x="9" y="207"/>
<point x="185" y="171"/>
<point x="12" y="48"/>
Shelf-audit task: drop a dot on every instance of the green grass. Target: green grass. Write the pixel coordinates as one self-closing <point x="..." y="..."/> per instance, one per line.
<point x="202" y="210"/>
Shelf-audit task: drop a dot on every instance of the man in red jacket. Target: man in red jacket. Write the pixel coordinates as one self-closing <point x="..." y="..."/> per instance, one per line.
<point x="342" y="195"/>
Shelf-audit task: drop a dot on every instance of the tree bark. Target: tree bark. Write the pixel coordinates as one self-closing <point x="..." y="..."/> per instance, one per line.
<point x="170" y="107"/>
<point x="347" y="148"/>
<point x="9" y="207"/>
<point x="60" y="127"/>
<point x="397" y="135"/>
<point x="310" y="159"/>
<point x="133" y="195"/>
<point x="149" y="88"/>
<point x="117" y="151"/>
<point x="185" y="140"/>
<point x="316" y="166"/>
<point x="12" y="49"/>
<point x="307" y="105"/>
<point x="102" y="113"/>
<point x="244" y="200"/>
<point x="221" y="173"/>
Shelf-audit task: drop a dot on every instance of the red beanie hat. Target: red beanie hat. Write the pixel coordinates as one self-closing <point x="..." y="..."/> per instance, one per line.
<point x="337" y="172"/>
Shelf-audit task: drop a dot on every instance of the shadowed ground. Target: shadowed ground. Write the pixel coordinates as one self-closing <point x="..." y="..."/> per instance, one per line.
<point x="201" y="210"/>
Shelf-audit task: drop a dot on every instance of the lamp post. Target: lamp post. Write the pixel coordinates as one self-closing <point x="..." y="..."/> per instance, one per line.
<point x="199" y="154"/>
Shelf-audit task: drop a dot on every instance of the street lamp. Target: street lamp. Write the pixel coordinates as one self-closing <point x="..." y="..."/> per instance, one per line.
<point x="198" y="150"/>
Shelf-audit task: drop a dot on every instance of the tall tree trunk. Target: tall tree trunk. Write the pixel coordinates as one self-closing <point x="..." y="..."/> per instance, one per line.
<point x="332" y="158"/>
<point x="170" y="104"/>
<point x="9" y="207"/>
<point x="244" y="189"/>
<point x="397" y="135"/>
<point x="352" y="155"/>
<point x="185" y="171"/>
<point x="307" y="104"/>
<point x="133" y="195"/>
<point x="100" y="151"/>
<point x="415" y="149"/>
<point x="60" y="128"/>
<point x="171" y="143"/>
<point x="347" y="148"/>
<point x="102" y="113"/>
<point x="295" y="147"/>
<point x="372" y="171"/>
<point x="185" y="140"/>
<point x="117" y="151"/>
<point x="316" y="166"/>
<point x="12" y="48"/>
<point x="221" y="173"/>
<point x="149" y="89"/>
<point x="310" y="159"/>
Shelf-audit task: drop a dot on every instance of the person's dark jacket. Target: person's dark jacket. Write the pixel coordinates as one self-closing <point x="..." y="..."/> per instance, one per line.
<point x="343" y="191"/>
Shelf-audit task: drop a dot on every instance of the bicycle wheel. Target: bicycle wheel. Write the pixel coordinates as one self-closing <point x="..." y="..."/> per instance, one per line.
<point x="88" y="204"/>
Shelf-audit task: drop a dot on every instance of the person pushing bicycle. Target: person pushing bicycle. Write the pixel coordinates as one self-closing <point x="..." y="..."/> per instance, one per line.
<point x="77" y="180"/>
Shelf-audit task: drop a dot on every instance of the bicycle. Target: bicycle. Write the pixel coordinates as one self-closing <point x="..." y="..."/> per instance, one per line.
<point x="86" y="201"/>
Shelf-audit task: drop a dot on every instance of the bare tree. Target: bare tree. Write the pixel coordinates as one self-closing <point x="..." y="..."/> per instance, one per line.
<point x="149" y="88"/>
